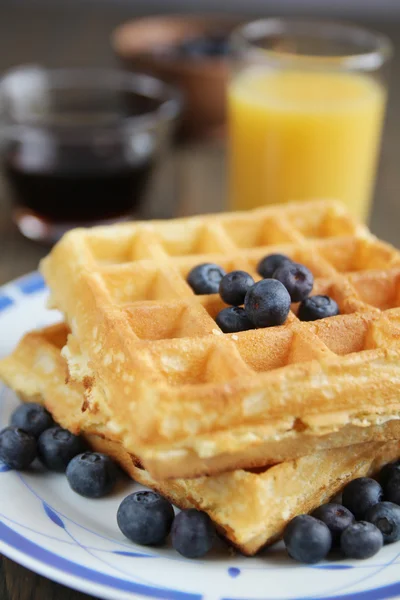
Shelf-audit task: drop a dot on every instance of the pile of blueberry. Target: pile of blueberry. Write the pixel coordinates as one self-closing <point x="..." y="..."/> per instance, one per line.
<point x="267" y="302"/>
<point x="367" y="518"/>
<point x="143" y="517"/>
<point x="214" y="45"/>
<point x="33" y="434"/>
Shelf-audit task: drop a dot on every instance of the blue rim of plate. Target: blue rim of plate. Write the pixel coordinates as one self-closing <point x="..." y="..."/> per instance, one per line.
<point x="31" y="555"/>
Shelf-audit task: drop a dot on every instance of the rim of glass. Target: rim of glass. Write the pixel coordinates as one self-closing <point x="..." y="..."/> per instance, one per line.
<point x="244" y="40"/>
<point x="170" y="99"/>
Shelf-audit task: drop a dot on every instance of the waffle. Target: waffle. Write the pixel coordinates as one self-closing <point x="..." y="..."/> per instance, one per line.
<point x="189" y="400"/>
<point x="250" y="508"/>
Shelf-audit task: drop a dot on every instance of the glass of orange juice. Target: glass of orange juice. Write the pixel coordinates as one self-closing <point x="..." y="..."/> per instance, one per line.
<point x="306" y="105"/>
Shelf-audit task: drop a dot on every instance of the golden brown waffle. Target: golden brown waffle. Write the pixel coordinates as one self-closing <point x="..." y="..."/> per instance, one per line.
<point x="250" y="508"/>
<point x="190" y="400"/>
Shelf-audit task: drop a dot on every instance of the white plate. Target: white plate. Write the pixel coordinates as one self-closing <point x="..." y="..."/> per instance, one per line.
<point x="49" y="529"/>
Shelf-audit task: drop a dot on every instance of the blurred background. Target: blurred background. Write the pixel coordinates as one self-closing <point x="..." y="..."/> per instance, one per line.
<point x="189" y="175"/>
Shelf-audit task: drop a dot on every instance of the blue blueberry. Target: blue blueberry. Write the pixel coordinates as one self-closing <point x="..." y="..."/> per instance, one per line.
<point x="388" y="471"/>
<point x="32" y="418"/>
<point x="233" y="319"/>
<point x="392" y="490"/>
<point x="234" y="287"/>
<point x="390" y="481"/>
<point x="92" y="474"/>
<point x="360" y="494"/>
<point x="267" y="303"/>
<point x="336" y="517"/>
<point x="307" y="539"/>
<point x="317" y="307"/>
<point x="57" y="447"/>
<point x="297" y="279"/>
<point x="269" y="264"/>
<point x="206" y="278"/>
<point x="361" y="540"/>
<point x="18" y="449"/>
<point x="386" y="517"/>
<point x="145" y="518"/>
<point x="193" y="533"/>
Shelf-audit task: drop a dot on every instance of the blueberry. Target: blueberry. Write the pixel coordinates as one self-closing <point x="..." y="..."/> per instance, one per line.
<point x="297" y="279"/>
<point x="390" y="481"/>
<point x="392" y="490"/>
<point x="17" y="448"/>
<point x="145" y="518"/>
<point x="336" y="517"/>
<point x="269" y="264"/>
<point x="32" y="418"/>
<point x="234" y="286"/>
<point x="206" y="278"/>
<point x="57" y="447"/>
<point x="267" y="303"/>
<point x="361" y="540"/>
<point x="360" y="494"/>
<point x="386" y="517"/>
<point x="307" y="539"/>
<point x="388" y="471"/>
<point x="92" y="474"/>
<point x="193" y="533"/>
<point x="233" y="319"/>
<point x="317" y="307"/>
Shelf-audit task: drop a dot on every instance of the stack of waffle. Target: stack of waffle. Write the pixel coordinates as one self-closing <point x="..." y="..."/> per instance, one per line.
<point x="252" y="427"/>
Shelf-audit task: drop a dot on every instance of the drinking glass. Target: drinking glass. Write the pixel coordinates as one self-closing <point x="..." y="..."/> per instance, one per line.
<point x="78" y="146"/>
<point x="306" y="107"/>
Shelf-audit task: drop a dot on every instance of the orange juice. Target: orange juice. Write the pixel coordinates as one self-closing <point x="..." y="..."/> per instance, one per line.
<point x="299" y="135"/>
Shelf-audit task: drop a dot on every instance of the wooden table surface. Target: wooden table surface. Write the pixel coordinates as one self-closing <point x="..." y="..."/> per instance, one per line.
<point x="61" y="35"/>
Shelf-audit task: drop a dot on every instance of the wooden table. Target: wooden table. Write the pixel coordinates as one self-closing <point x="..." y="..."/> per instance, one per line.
<point x="32" y="34"/>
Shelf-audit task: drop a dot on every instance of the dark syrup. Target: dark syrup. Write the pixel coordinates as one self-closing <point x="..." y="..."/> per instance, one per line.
<point x="75" y="181"/>
<point x="65" y="191"/>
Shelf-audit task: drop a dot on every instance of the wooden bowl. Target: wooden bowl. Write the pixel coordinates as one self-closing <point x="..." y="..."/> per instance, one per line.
<point x="147" y="45"/>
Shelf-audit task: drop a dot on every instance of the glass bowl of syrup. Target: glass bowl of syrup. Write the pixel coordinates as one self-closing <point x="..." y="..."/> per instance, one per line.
<point x="78" y="146"/>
